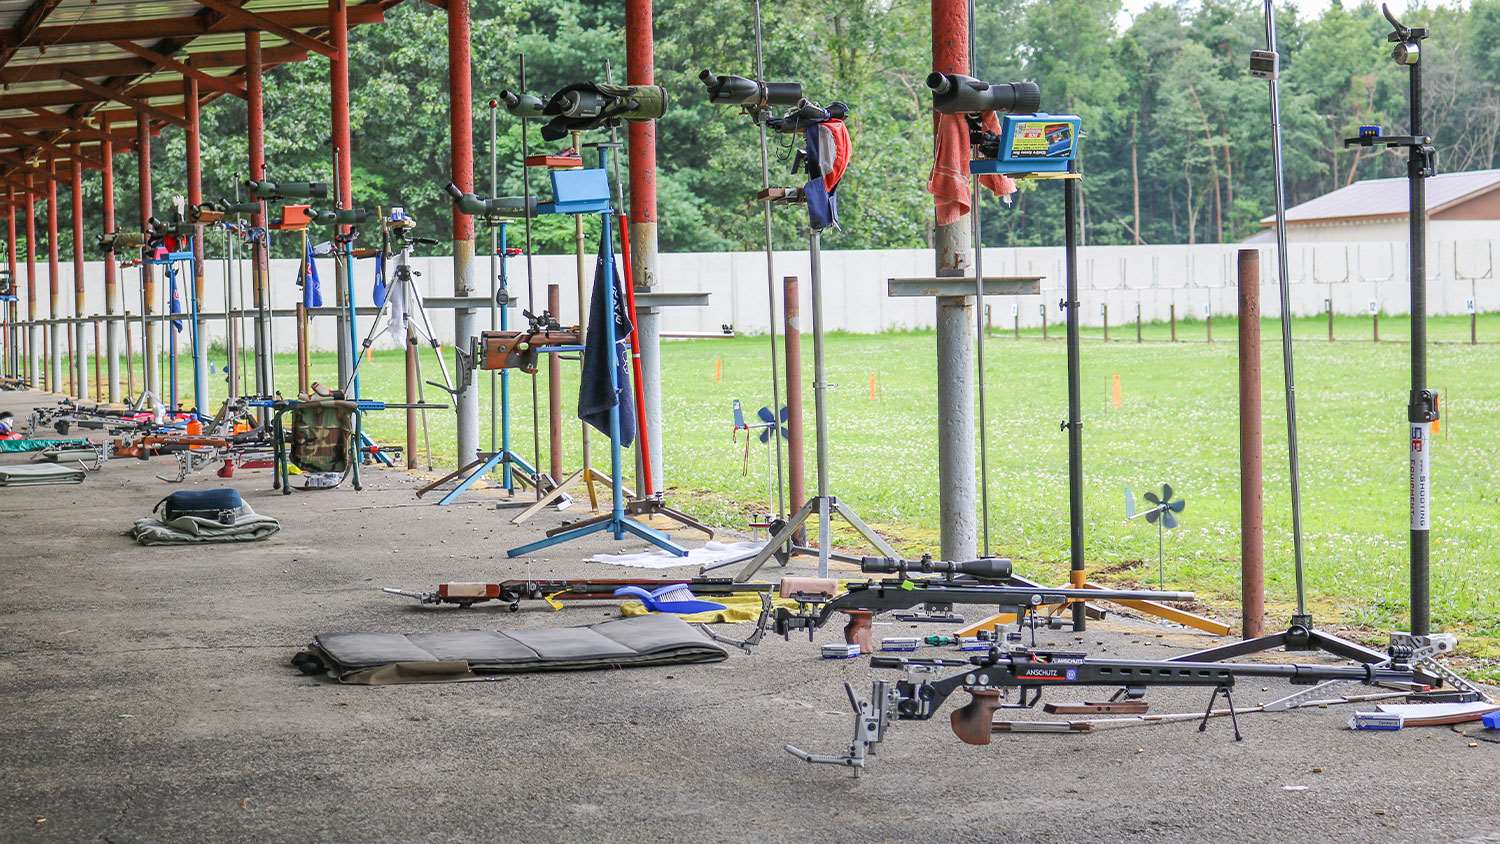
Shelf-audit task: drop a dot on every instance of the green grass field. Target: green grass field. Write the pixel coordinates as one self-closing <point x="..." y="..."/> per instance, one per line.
<point x="1177" y="424"/>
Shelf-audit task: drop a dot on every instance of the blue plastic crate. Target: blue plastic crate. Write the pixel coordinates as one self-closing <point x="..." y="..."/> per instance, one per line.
<point x="1034" y="143"/>
<point x="1491" y="721"/>
<point x="577" y="192"/>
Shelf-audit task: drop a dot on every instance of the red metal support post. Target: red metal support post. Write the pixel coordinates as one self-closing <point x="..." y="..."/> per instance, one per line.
<point x="260" y="258"/>
<point x="1252" y="514"/>
<point x="80" y="296"/>
<point x="111" y="280"/>
<point x="55" y="331"/>
<point x="953" y="243"/>
<point x="461" y="134"/>
<point x="151" y="377"/>
<point x="338" y="80"/>
<point x="640" y="69"/>
<point x="12" y="338"/>
<point x="195" y="197"/>
<point x="33" y="331"/>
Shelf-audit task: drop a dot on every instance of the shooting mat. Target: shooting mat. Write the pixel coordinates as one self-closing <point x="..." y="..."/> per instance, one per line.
<point x="385" y="658"/>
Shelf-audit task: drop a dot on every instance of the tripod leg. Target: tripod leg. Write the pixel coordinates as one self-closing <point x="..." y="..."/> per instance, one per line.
<point x="781" y="538"/>
<point x="869" y="533"/>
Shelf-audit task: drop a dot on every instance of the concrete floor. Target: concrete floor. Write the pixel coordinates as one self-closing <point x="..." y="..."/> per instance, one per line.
<point x="145" y="695"/>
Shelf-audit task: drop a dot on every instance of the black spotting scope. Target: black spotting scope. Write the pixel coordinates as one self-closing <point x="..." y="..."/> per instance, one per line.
<point x="499" y="206"/>
<point x="739" y="91"/>
<point x="954" y="93"/>
<point x="340" y="217"/>
<point x="986" y="568"/>
<point x="522" y="105"/>
<point x="286" y="190"/>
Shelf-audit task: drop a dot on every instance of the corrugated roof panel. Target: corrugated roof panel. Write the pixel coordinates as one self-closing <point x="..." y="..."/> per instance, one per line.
<point x="1388" y="197"/>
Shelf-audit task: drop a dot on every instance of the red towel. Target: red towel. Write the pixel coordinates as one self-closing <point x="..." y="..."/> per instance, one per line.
<point x="949" y="181"/>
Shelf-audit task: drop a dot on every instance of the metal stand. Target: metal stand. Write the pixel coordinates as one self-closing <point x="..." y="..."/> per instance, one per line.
<point x="1074" y="423"/>
<point x="617" y="523"/>
<point x="824" y="504"/>
<point x="1301" y="634"/>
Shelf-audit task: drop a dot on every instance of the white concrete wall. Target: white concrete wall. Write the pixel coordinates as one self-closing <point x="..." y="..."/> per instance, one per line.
<point x="1155" y="277"/>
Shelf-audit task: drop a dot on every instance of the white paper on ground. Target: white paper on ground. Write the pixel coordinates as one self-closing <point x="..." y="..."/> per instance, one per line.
<point x="711" y="552"/>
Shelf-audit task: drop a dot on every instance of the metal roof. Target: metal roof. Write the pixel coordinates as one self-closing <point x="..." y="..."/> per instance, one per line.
<point x="65" y="64"/>
<point x="1378" y="198"/>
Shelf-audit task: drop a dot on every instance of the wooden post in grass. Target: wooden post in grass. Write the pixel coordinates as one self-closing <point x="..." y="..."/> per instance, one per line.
<point x="1252" y="533"/>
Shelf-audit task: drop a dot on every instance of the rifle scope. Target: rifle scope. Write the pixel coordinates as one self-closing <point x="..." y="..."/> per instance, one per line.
<point x="988" y="568"/>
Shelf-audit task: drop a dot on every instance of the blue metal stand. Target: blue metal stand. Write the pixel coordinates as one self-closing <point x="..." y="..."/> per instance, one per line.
<point x="616" y="523"/>
<point x="170" y="263"/>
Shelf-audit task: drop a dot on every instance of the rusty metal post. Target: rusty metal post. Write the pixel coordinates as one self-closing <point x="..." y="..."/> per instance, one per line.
<point x="554" y="395"/>
<point x="152" y="376"/>
<point x="461" y="138"/>
<point x="111" y="279"/>
<point x="195" y="197"/>
<point x="791" y="309"/>
<point x="1252" y="528"/>
<point x="55" y="331"/>
<point x="80" y="296"/>
<point x="260" y="257"/>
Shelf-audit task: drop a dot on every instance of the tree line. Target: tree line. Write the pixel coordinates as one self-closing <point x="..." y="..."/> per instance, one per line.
<point x="1176" y="146"/>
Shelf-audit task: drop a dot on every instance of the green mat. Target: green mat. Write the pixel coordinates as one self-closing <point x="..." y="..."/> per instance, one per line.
<point x="22" y="446"/>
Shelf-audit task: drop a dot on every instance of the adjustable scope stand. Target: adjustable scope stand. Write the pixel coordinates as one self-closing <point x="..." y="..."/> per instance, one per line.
<point x="169" y="262"/>
<point x="616" y="522"/>
<point x="1301" y="634"/>
<point x="510" y="464"/>
<point x="1422" y="407"/>
<point x="824" y="504"/>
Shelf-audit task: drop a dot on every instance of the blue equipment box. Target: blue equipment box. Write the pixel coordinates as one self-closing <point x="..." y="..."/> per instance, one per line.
<point x="577" y="192"/>
<point x="1034" y="143"/>
<point x="1491" y="721"/>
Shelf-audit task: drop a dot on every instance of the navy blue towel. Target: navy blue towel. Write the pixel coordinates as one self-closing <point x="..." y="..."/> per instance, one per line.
<point x="595" y="396"/>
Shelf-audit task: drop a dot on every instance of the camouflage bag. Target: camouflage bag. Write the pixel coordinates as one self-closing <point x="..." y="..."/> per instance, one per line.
<point x="323" y="435"/>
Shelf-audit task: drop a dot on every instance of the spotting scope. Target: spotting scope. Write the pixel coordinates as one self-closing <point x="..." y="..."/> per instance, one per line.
<point x="739" y="91"/>
<point x="954" y="93"/>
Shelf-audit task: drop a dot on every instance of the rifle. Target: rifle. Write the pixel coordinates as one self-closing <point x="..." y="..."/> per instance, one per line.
<point x="989" y="677"/>
<point x="553" y="590"/>
<point x="969" y="582"/>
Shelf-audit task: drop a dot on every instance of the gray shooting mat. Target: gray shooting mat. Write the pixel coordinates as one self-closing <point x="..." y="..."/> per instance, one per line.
<point x="40" y="474"/>
<point x="385" y="658"/>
